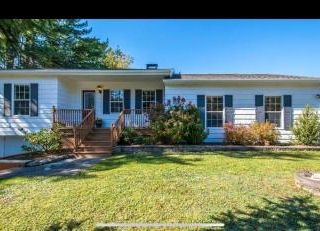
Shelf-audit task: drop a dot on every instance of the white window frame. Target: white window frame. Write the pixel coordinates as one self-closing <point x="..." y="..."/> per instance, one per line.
<point x="143" y="101"/>
<point x="113" y="101"/>
<point x="223" y="110"/>
<point x="281" y="110"/>
<point x="14" y="99"/>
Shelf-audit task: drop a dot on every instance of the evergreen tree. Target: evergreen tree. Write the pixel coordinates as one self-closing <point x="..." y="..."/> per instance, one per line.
<point x="55" y="43"/>
<point x="307" y="127"/>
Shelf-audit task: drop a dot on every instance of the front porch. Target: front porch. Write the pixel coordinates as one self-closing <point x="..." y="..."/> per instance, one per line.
<point x="81" y="134"/>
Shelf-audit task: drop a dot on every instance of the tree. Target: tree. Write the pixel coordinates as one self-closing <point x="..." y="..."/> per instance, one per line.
<point x="307" y="127"/>
<point x="55" y="43"/>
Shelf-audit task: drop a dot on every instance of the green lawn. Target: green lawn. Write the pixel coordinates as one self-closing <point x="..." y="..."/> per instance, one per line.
<point x="241" y="189"/>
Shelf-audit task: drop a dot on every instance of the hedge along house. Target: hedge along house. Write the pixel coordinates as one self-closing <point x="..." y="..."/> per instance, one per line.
<point x="122" y="98"/>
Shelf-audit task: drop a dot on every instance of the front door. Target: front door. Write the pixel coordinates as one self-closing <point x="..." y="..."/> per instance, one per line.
<point x="88" y="99"/>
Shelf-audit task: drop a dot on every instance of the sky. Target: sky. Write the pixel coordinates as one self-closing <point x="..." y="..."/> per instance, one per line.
<point x="217" y="46"/>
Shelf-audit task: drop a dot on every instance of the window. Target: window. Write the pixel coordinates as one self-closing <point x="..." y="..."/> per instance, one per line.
<point x="148" y="100"/>
<point x="116" y="100"/>
<point x="214" y="111"/>
<point x="21" y="99"/>
<point x="273" y="109"/>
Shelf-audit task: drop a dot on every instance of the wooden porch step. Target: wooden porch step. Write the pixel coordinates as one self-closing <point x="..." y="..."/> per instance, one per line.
<point x="93" y="153"/>
<point x="96" y="143"/>
<point x="101" y="130"/>
<point x="95" y="148"/>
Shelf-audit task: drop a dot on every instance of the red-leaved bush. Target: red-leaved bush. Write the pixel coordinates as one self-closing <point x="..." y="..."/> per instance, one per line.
<point x="253" y="134"/>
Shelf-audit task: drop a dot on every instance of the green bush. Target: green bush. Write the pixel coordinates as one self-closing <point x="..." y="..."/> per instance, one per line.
<point x="179" y="123"/>
<point x="307" y="127"/>
<point x="45" y="140"/>
<point x="131" y="136"/>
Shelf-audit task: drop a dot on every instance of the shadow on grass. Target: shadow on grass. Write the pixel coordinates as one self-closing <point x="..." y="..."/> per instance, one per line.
<point x="285" y="155"/>
<point x="69" y="225"/>
<point x="117" y="161"/>
<point x="293" y="213"/>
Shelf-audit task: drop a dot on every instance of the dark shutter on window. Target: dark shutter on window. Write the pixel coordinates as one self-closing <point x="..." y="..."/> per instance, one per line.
<point x="229" y="112"/>
<point x="106" y="101"/>
<point x="127" y="99"/>
<point x="228" y="101"/>
<point x="287" y="101"/>
<point x="259" y="100"/>
<point x="259" y="108"/>
<point x="7" y="94"/>
<point x="159" y="96"/>
<point x="201" y="108"/>
<point x="287" y="110"/>
<point x="138" y="101"/>
<point x="34" y="99"/>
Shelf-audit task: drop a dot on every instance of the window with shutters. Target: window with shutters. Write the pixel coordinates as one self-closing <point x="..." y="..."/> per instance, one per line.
<point x="21" y="100"/>
<point x="214" y="111"/>
<point x="116" y="100"/>
<point x="148" y="100"/>
<point x="273" y="110"/>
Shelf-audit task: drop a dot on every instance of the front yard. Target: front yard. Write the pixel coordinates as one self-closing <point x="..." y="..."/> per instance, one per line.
<point x="241" y="189"/>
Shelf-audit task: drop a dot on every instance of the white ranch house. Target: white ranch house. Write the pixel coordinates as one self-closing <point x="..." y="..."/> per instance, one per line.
<point x="27" y="98"/>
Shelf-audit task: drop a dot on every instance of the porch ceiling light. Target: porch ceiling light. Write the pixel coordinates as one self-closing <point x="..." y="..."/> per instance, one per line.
<point x="100" y="88"/>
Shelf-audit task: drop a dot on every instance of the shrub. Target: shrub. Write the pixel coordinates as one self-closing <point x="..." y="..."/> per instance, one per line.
<point x="263" y="133"/>
<point x="177" y="124"/>
<point x="254" y="134"/>
<point x="237" y="134"/>
<point x="307" y="127"/>
<point x="45" y="140"/>
<point x="131" y="136"/>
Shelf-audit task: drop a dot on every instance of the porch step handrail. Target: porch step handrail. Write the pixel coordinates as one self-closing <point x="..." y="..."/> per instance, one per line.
<point x="84" y="128"/>
<point x="81" y="121"/>
<point x="117" y="129"/>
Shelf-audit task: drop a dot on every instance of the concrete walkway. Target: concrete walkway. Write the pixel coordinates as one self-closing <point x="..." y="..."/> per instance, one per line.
<point x="64" y="167"/>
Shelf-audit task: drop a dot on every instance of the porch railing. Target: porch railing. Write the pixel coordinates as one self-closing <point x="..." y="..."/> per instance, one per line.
<point x="136" y="118"/>
<point x="69" y="117"/>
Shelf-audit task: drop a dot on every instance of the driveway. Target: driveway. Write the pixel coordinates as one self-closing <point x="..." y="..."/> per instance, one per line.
<point x="64" y="167"/>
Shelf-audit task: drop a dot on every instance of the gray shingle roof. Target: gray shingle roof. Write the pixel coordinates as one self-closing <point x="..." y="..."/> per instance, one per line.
<point x="241" y="77"/>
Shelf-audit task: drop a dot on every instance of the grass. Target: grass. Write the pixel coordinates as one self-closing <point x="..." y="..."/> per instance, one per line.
<point x="244" y="190"/>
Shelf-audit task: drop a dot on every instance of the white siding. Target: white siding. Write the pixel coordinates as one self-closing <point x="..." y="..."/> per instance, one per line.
<point x="47" y="97"/>
<point x="10" y="145"/>
<point x="244" y="103"/>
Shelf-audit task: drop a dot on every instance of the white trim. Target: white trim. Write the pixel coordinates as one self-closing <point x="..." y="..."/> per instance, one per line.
<point x="13" y="100"/>
<point x="223" y="110"/>
<point x="281" y="111"/>
<point x="41" y="72"/>
<point x="155" y="97"/>
<point x="115" y="101"/>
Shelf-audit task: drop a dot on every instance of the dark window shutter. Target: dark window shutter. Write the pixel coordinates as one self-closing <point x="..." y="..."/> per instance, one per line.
<point x="106" y="101"/>
<point x="127" y="99"/>
<point x="229" y="112"/>
<point x="159" y="96"/>
<point x="228" y="101"/>
<point x="34" y="99"/>
<point x="138" y="101"/>
<point x="259" y="100"/>
<point x="287" y="109"/>
<point x="201" y="108"/>
<point x="287" y="101"/>
<point x="7" y="94"/>
<point x="260" y="116"/>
